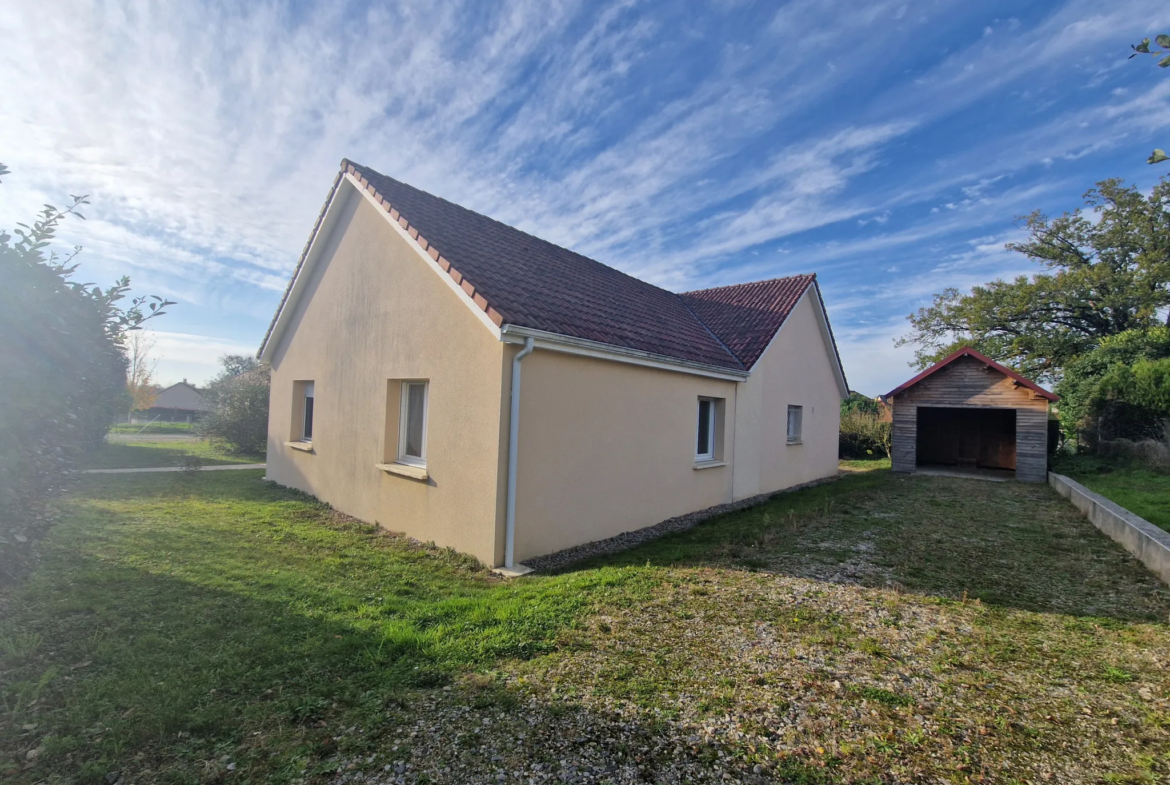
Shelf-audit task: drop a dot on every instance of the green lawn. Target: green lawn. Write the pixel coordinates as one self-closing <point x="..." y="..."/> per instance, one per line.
<point x="1141" y="491"/>
<point x="864" y="465"/>
<point x="156" y="427"/>
<point x="147" y="454"/>
<point x="180" y="615"/>
<point x="216" y="628"/>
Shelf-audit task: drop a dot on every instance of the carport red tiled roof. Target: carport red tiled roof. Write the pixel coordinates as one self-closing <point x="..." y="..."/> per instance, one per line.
<point x="522" y="280"/>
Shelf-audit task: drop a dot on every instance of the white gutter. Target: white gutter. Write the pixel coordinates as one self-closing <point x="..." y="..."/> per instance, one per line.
<point x="513" y="448"/>
<point x="556" y="342"/>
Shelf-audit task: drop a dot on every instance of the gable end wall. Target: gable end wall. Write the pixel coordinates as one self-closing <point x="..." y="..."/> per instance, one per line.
<point x="373" y="311"/>
<point x="798" y="369"/>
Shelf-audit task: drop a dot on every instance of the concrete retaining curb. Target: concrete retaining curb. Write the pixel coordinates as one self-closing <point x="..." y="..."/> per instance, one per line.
<point x="1143" y="539"/>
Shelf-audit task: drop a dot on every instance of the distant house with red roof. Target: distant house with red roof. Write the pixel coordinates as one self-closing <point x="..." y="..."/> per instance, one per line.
<point x="461" y="381"/>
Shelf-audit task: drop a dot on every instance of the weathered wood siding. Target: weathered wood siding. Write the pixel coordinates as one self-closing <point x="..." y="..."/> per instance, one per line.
<point x="1032" y="444"/>
<point x="968" y="383"/>
<point x="904" y="452"/>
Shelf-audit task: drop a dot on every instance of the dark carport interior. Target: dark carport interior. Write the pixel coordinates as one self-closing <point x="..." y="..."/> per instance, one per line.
<point x="983" y="438"/>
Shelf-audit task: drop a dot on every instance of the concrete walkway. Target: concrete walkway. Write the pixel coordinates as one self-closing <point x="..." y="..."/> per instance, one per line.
<point x="220" y="468"/>
<point x="122" y="438"/>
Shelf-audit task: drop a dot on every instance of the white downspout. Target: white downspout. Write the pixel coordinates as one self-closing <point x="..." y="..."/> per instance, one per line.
<point x="513" y="448"/>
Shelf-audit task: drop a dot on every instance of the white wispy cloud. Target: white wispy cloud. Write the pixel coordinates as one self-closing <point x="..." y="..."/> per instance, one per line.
<point x="207" y="134"/>
<point x="191" y="357"/>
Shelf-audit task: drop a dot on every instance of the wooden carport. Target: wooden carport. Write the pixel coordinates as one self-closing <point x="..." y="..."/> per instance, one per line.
<point x="970" y="412"/>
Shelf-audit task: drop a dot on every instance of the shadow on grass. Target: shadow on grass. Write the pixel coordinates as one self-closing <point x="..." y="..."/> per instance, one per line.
<point x="148" y="454"/>
<point x="1013" y="545"/>
<point x="162" y="679"/>
<point x="175" y="619"/>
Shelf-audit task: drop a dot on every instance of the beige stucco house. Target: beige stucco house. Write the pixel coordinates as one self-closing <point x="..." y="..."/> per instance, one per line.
<point x="455" y="379"/>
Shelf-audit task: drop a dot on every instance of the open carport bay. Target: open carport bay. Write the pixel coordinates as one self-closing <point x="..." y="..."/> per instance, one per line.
<point x="981" y="438"/>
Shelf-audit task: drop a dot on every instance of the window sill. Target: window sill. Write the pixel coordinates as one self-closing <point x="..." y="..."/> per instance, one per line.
<point x="709" y="464"/>
<point x="404" y="470"/>
<point x="302" y="446"/>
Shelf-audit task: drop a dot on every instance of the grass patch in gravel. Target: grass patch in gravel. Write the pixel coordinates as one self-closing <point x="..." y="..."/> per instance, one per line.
<point x="147" y="454"/>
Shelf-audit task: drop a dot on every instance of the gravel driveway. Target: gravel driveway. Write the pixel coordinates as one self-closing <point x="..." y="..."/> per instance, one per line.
<point x="818" y="664"/>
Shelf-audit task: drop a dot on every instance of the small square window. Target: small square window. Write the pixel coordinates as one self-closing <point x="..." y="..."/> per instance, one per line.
<point x="412" y="426"/>
<point x="705" y="444"/>
<point x="306" y="411"/>
<point x="795" y="417"/>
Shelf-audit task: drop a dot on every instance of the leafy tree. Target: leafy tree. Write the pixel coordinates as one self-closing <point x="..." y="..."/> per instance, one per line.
<point x="1163" y="42"/>
<point x="1102" y="276"/>
<point x="1133" y="401"/>
<point x="140" y="386"/>
<point x="237" y="403"/>
<point x="62" y="371"/>
<point x="236" y="364"/>
<point x="856" y="402"/>
<point x="1086" y="396"/>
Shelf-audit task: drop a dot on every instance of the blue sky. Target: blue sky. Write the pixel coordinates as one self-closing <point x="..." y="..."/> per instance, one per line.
<point x="886" y="146"/>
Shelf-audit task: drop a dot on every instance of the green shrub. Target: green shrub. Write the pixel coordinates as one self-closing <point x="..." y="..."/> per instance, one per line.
<point x="1133" y="401"/>
<point x="1103" y="392"/>
<point x="236" y="420"/>
<point x="856" y="402"/>
<point x="62" y="374"/>
<point x="864" y="435"/>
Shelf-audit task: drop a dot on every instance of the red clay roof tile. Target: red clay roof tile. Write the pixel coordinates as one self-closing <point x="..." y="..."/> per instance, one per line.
<point x="746" y="316"/>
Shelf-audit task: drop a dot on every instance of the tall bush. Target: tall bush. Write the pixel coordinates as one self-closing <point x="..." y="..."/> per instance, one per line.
<point x="1133" y="401"/>
<point x="62" y="373"/>
<point x="1089" y="403"/>
<point x="864" y="432"/>
<point x="237" y="403"/>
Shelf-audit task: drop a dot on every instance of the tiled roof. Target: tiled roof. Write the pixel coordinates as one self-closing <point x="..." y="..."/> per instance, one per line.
<point x="522" y="280"/>
<point x="746" y="316"/>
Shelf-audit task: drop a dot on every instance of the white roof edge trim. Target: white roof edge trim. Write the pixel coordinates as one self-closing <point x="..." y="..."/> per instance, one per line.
<point x="556" y="342"/>
<point x="826" y="335"/>
<point x="426" y="257"/>
<point x="296" y="287"/>
<point x="830" y="342"/>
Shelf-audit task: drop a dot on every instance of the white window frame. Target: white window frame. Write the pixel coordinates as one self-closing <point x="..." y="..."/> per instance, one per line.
<point x="798" y="436"/>
<point x="404" y="419"/>
<point x="308" y="418"/>
<point x="710" y="454"/>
